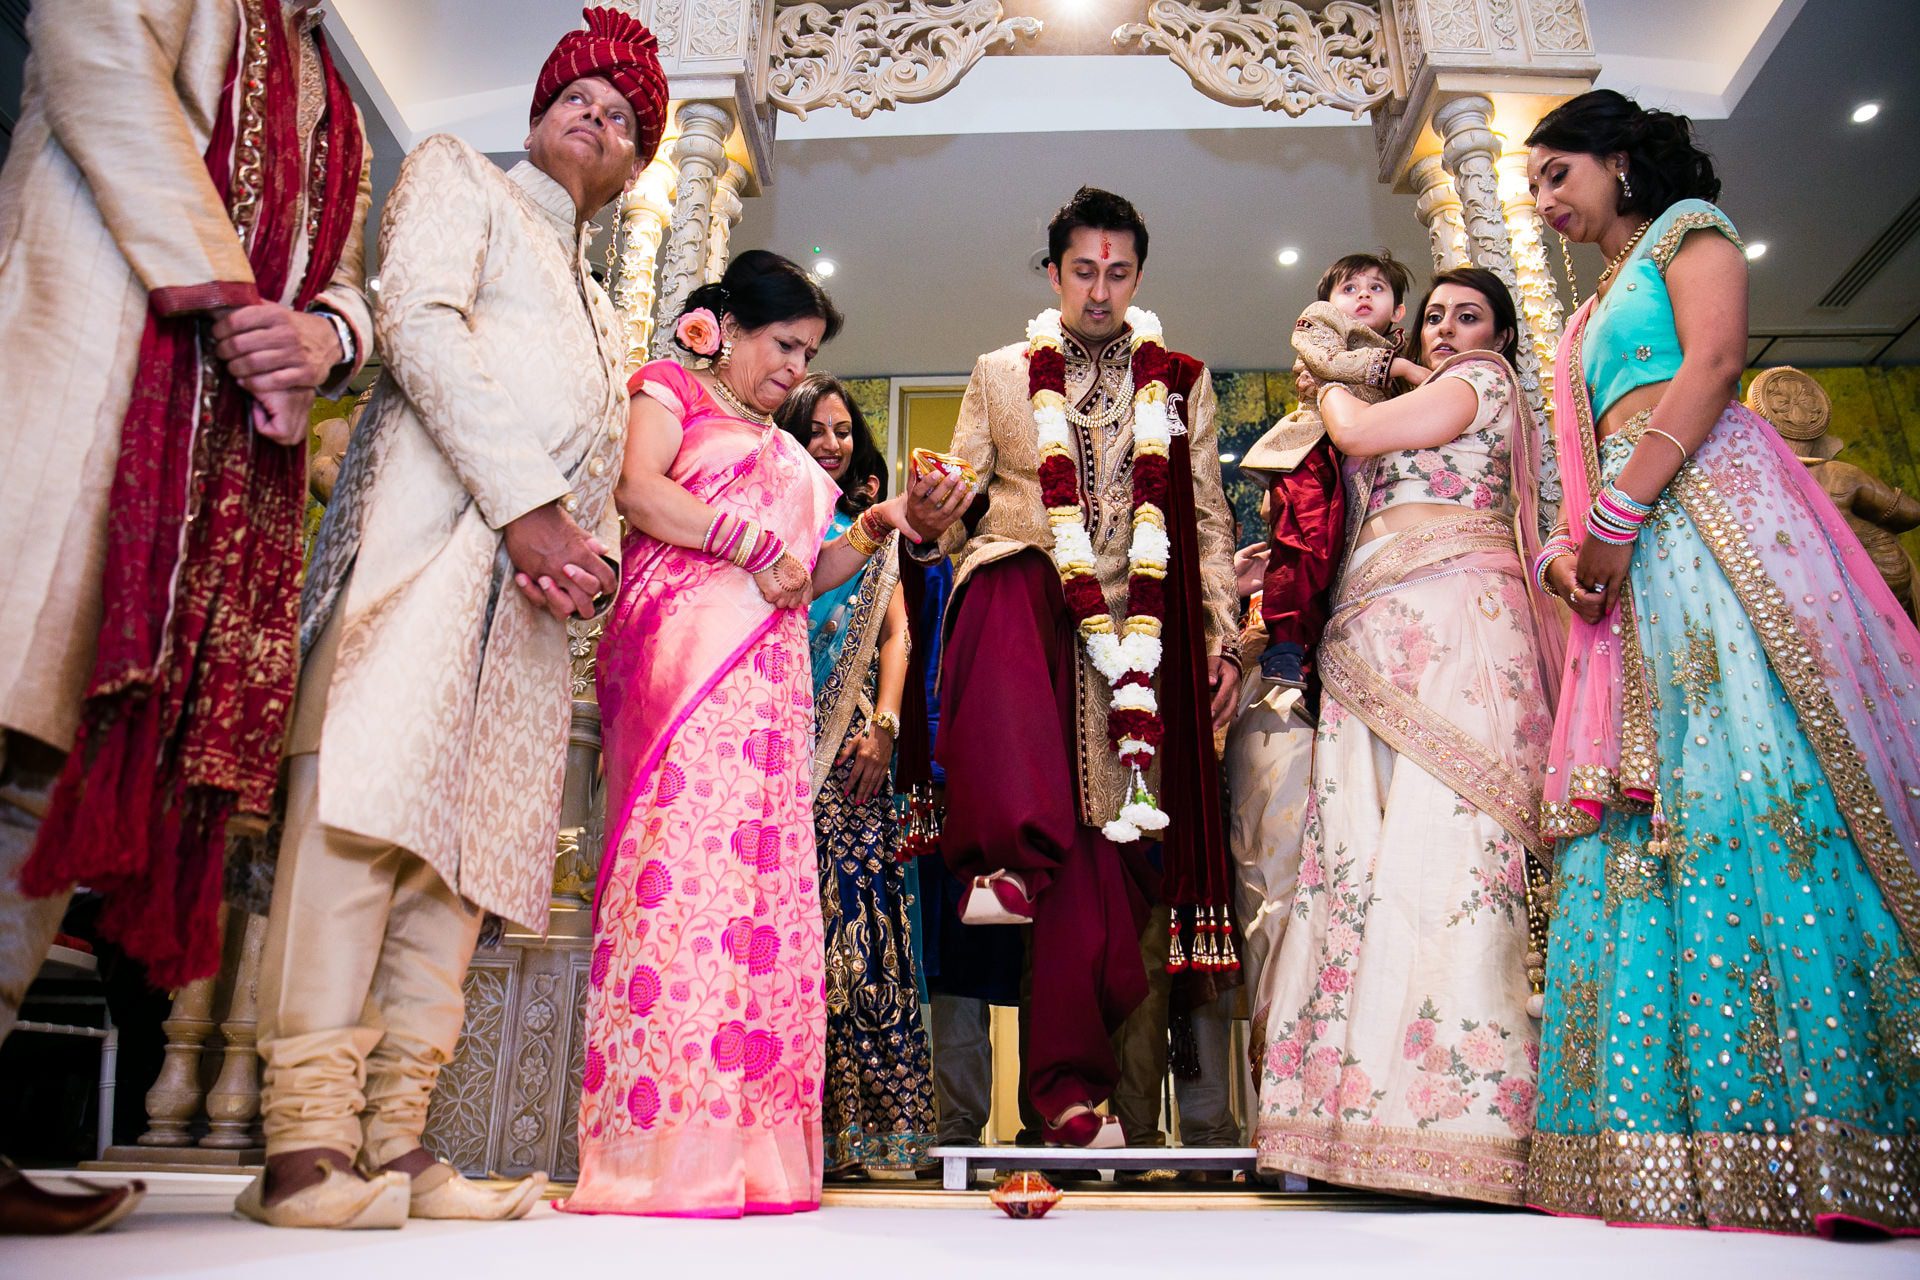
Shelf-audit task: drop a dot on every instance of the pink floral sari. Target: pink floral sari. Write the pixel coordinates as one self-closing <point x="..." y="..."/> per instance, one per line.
<point x="706" y="1021"/>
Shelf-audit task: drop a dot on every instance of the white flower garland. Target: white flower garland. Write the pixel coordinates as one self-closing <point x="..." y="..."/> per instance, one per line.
<point x="1135" y="645"/>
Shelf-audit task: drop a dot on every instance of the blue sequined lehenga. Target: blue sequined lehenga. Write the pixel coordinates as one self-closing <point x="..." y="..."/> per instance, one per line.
<point x="1732" y="1030"/>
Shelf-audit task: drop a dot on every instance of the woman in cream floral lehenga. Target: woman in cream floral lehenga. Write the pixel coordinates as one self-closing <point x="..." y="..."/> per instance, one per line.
<point x="878" y="1094"/>
<point x="1399" y="1052"/>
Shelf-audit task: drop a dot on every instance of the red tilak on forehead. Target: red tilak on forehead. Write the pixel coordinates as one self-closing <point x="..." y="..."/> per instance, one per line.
<point x="1106" y="248"/>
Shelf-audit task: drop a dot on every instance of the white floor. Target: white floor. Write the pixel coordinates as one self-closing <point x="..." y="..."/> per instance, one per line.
<point x="183" y="1229"/>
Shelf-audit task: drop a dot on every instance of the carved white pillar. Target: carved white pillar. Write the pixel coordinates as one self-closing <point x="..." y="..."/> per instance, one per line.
<point x="1470" y="154"/>
<point x="644" y="215"/>
<point x="700" y="153"/>
<point x="233" y="1103"/>
<point x="1539" y="299"/>
<point x="173" y="1103"/>
<point x="727" y="208"/>
<point x="1439" y="208"/>
<point x="1470" y="149"/>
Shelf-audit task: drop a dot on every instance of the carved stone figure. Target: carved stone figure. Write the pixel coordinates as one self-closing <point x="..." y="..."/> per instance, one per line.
<point x="1800" y="410"/>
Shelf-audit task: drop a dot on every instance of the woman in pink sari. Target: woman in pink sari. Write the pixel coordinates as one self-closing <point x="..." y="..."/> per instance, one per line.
<point x="702" y="1086"/>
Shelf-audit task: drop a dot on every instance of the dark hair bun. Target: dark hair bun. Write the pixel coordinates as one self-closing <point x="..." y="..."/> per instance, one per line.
<point x="761" y="288"/>
<point x="1664" y="165"/>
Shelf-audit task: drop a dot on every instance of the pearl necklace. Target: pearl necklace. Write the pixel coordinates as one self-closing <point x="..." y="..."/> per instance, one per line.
<point x="739" y="407"/>
<point x="1614" y="263"/>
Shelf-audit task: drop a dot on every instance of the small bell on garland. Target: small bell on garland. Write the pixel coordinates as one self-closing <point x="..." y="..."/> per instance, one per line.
<point x="1176" y="946"/>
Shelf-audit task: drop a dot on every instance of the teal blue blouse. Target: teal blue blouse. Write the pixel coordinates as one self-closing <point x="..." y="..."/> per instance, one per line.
<point x="1630" y="340"/>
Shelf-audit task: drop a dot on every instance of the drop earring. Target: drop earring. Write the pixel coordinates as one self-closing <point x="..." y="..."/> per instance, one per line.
<point x="725" y="357"/>
<point x="1626" y="188"/>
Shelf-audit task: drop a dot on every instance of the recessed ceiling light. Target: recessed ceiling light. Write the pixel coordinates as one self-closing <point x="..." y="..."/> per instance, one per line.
<point x="824" y="267"/>
<point x="1865" y="112"/>
<point x="1289" y="256"/>
<point x="1758" y="249"/>
<point x="1229" y="457"/>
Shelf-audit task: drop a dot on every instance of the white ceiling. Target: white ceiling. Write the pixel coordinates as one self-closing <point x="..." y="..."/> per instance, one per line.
<point x="932" y="211"/>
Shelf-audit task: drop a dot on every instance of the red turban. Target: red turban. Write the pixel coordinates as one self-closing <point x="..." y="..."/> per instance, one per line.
<point x="619" y="47"/>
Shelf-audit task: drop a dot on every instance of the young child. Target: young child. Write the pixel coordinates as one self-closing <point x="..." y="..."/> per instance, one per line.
<point x="1348" y="337"/>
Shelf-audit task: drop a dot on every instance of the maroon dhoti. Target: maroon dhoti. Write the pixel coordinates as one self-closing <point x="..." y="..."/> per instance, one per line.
<point x="1007" y="742"/>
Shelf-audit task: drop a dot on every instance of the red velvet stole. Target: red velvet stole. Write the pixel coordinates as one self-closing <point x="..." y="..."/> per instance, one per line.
<point x="1194" y="846"/>
<point x="192" y="685"/>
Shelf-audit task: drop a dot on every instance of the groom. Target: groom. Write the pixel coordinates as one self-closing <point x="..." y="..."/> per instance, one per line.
<point x="1104" y="526"/>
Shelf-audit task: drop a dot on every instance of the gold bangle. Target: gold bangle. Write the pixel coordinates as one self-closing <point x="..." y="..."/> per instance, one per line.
<point x="863" y="538"/>
<point x="749" y="543"/>
<point x="1655" y="431"/>
<point x="885" y="720"/>
<point x="857" y="537"/>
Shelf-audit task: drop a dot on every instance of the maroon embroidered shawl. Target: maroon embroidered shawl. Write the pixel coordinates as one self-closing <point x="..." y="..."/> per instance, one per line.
<point x="193" y="681"/>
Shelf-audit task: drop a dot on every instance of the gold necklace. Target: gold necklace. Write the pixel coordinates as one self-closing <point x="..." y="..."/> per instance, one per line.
<point x="739" y="406"/>
<point x="1614" y="263"/>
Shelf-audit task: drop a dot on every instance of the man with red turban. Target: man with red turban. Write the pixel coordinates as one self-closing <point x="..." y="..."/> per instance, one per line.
<point x="429" y="732"/>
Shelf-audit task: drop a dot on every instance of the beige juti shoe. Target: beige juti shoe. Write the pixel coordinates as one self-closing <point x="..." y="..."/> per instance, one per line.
<point x="441" y="1192"/>
<point x="340" y="1201"/>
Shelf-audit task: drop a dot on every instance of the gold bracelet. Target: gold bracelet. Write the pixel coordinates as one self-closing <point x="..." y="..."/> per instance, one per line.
<point x="748" y="544"/>
<point x="857" y="537"/>
<point x="1655" y="431"/>
<point x="885" y="720"/>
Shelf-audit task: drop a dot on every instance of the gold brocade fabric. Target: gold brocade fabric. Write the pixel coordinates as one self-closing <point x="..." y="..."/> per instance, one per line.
<point x="92" y="219"/>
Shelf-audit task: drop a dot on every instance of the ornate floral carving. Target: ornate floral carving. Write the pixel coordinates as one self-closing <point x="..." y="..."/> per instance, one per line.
<point x="1455" y="25"/>
<point x="533" y="1078"/>
<point x="881" y="53"/>
<point x="1272" y="54"/>
<point x="665" y="21"/>
<point x="461" y="1112"/>
<point x="1560" y="26"/>
<point x="1407" y="20"/>
<point x="715" y="27"/>
<point x="566" y="1161"/>
<point x="1501" y="16"/>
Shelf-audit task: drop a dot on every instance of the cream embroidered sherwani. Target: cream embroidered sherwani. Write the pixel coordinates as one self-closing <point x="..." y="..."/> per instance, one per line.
<point x="996" y="433"/>
<point x="429" y="738"/>
<point x="446" y="717"/>
<point x="105" y="207"/>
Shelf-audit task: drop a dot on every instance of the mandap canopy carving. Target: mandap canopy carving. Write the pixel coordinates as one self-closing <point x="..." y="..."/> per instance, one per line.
<point x="1272" y="54"/>
<point x="878" y="54"/>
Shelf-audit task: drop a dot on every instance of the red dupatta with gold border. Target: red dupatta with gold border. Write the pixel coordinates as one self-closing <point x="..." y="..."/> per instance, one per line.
<point x="193" y="680"/>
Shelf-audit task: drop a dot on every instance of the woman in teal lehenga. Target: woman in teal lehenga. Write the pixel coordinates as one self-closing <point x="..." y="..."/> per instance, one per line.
<point x="1732" y="1030"/>
<point x="879" y="1087"/>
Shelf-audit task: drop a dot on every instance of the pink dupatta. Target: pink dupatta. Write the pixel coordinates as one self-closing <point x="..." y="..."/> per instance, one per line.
<point x="1842" y="648"/>
<point x="683" y="618"/>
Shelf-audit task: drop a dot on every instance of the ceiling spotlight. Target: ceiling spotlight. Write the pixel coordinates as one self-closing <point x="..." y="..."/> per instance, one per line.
<point x="1229" y="457"/>
<point x="1865" y="112"/>
<point x="824" y="267"/>
<point x="1289" y="256"/>
<point x="1756" y="250"/>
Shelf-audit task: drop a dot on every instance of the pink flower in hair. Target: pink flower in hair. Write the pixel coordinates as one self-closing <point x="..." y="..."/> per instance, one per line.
<point x="699" y="331"/>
